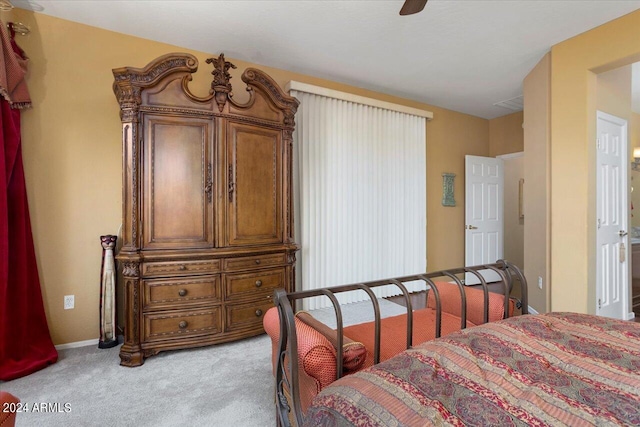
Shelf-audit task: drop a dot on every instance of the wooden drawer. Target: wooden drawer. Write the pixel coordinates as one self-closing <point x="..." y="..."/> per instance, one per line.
<point x="247" y="316"/>
<point x="170" y="293"/>
<point x="184" y="323"/>
<point x="258" y="261"/>
<point x="180" y="268"/>
<point x="241" y="285"/>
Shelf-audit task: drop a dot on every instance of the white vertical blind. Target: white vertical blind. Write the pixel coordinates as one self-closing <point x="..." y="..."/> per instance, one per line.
<point x="360" y="194"/>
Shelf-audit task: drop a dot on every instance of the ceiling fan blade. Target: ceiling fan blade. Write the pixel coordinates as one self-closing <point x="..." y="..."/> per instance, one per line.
<point x="412" y="6"/>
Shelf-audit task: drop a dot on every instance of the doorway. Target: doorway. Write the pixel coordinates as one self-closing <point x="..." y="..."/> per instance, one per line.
<point x="504" y="237"/>
<point x="484" y="206"/>
<point x="618" y="95"/>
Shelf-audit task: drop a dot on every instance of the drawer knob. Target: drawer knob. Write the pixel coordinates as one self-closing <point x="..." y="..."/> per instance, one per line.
<point x="182" y="292"/>
<point x="257" y="261"/>
<point x="258" y="313"/>
<point x="182" y="324"/>
<point x="258" y="283"/>
<point x="182" y="267"/>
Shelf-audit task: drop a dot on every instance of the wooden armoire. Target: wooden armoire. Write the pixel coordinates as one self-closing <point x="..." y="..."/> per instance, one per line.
<point x="207" y="222"/>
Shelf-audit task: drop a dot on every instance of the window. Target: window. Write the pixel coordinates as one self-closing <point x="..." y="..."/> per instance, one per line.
<point x="359" y="190"/>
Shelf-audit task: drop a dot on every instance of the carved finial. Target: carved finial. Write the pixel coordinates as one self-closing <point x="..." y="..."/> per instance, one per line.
<point x="220" y="73"/>
<point x="220" y="86"/>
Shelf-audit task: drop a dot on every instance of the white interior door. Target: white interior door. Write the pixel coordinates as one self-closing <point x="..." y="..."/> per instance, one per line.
<point x="484" y="214"/>
<point x="612" y="272"/>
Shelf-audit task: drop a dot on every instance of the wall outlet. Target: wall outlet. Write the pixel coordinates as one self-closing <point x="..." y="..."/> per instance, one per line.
<point x="69" y="302"/>
<point x="539" y="282"/>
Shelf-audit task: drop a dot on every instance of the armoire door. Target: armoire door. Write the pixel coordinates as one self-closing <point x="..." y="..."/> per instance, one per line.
<point x="177" y="175"/>
<point x="254" y="185"/>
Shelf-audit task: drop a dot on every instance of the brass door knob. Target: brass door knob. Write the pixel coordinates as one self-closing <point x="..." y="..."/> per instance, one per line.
<point x="182" y="324"/>
<point x="258" y="283"/>
<point x="258" y="313"/>
<point x="182" y="292"/>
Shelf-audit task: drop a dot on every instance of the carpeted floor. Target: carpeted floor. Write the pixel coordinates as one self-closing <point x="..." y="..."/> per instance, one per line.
<point x="222" y="385"/>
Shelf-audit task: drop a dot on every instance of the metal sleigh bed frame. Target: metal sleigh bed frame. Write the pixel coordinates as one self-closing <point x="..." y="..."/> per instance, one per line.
<point x="288" y="403"/>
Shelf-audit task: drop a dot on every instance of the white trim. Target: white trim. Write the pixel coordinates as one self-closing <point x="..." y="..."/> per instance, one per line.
<point x="511" y="155"/>
<point x="631" y="316"/>
<point x="77" y="344"/>
<point x="344" y="96"/>
<point x="532" y="310"/>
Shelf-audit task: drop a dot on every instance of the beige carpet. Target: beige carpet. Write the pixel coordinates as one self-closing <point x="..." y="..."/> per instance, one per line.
<point x="224" y="385"/>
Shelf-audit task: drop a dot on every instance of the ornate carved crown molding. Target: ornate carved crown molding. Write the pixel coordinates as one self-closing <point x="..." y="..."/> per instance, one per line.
<point x="129" y="81"/>
<point x="288" y="104"/>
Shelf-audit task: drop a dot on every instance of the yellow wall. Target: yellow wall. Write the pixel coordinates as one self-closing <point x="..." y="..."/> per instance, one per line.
<point x="613" y="92"/>
<point x="537" y="213"/>
<point x="72" y="155"/>
<point x="513" y="224"/>
<point x="574" y="65"/>
<point x="447" y="144"/>
<point x="506" y="134"/>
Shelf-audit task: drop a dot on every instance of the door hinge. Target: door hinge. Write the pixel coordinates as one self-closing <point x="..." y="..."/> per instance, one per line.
<point x="599" y="303"/>
<point x="598" y="145"/>
<point x="599" y="224"/>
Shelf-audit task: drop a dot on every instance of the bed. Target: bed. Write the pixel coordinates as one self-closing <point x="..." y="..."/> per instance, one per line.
<point x="295" y="389"/>
<point x="558" y="369"/>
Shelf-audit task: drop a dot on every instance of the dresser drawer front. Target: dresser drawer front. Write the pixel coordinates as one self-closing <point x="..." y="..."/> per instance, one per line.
<point x="177" y="292"/>
<point x="246" y="285"/>
<point x="168" y="325"/>
<point x="258" y="261"/>
<point x="247" y="316"/>
<point x="180" y="268"/>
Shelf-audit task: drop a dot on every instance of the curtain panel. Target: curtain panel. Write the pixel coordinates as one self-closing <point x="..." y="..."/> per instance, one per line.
<point x="360" y="194"/>
<point x="25" y="343"/>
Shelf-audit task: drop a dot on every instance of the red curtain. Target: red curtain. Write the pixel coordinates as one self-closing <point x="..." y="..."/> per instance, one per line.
<point x="25" y="343"/>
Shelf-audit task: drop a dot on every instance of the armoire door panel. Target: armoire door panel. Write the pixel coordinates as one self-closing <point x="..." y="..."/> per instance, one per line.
<point x="254" y="190"/>
<point x="177" y="183"/>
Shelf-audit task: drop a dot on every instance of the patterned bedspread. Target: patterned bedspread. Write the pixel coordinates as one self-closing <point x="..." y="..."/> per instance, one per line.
<point x="554" y="369"/>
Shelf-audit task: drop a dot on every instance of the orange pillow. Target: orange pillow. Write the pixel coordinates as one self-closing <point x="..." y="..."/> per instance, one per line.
<point x="354" y="353"/>
<point x="452" y="303"/>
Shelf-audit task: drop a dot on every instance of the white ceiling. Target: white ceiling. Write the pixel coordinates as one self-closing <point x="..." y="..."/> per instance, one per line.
<point x="461" y="55"/>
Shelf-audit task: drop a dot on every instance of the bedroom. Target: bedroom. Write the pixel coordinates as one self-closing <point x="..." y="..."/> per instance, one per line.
<point x="73" y="139"/>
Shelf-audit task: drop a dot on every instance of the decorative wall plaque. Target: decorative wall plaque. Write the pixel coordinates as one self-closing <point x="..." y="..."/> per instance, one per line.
<point x="447" y="189"/>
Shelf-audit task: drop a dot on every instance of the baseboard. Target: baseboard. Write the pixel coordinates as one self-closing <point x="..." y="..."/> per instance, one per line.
<point x="85" y="343"/>
<point x="631" y="316"/>
<point x="532" y="310"/>
<point x="77" y="344"/>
